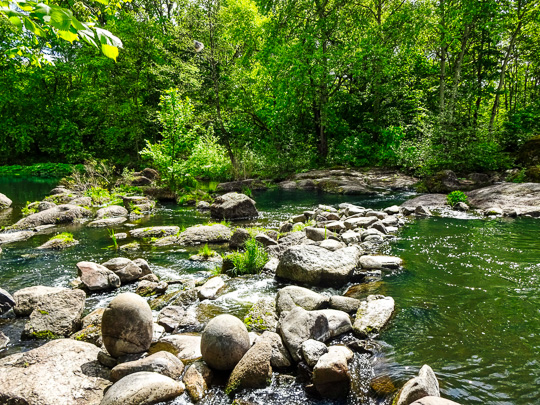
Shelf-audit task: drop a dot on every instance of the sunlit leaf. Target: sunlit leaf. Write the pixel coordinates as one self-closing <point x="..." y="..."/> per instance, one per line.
<point x="68" y="36"/>
<point x="16" y="21"/>
<point x="61" y="18"/>
<point x="33" y="28"/>
<point x="109" y="51"/>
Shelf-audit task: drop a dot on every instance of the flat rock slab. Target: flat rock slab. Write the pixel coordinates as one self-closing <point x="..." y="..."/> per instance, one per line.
<point x="524" y="198"/>
<point x="380" y="262"/>
<point x="154" y="232"/>
<point x="62" y="371"/>
<point x="373" y="314"/>
<point x="195" y="235"/>
<point x="11" y="237"/>
<point x="164" y="363"/>
<point x="101" y="223"/>
<point x="27" y="299"/>
<point x="60" y="214"/>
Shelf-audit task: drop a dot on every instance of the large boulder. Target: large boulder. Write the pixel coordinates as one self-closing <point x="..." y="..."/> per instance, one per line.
<point x="312" y="350"/>
<point x="373" y="314"/>
<point x="127" y="325"/>
<point x="233" y="206"/>
<point x="300" y="325"/>
<point x="5" y="202"/>
<point x="331" y="376"/>
<point x="112" y="211"/>
<point x="11" y="237"/>
<point x="280" y="355"/>
<point x="380" y="262"/>
<point x="143" y="388"/>
<point x="522" y="198"/>
<point x="254" y="369"/>
<point x="201" y="234"/>
<point x="27" y="299"/>
<point x="96" y="277"/>
<point x="424" y="385"/>
<point x="6" y="301"/>
<point x="239" y="238"/>
<point x="262" y="316"/>
<point x="62" y="371"/>
<point x="224" y="342"/>
<point x="125" y="269"/>
<point x="60" y="214"/>
<point x="161" y="362"/>
<point x="291" y="297"/>
<point x="57" y="314"/>
<point x="154" y="232"/>
<point x="315" y="265"/>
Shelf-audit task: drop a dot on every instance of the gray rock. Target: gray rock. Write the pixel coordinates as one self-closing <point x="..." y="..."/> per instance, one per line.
<point x="265" y="240"/>
<point x="203" y="206"/>
<point x="154" y="232"/>
<point x="130" y="272"/>
<point x="62" y="371"/>
<point x="393" y="210"/>
<point x="312" y="350"/>
<point x="210" y="289"/>
<point x="461" y="206"/>
<point x="380" y="227"/>
<point x="58" y="244"/>
<point x="177" y="318"/>
<point x="299" y="325"/>
<point x="97" y="277"/>
<point x="143" y="388"/>
<point x="147" y="288"/>
<point x="27" y="299"/>
<point x="197" y="379"/>
<point x="373" y="315"/>
<point x="315" y="265"/>
<point x="254" y="369"/>
<point x="424" y="385"/>
<point x="143" y="264"/>
<point x="187" y="347"/>
<point x="91" y="328"/>
<point x="380" y="262"/>
<point x="60" y="214"/>
<point x="233" y="206"/>
<point x="331" y="376"/>
<point x="285" y="227"/>
<point x="522" y="197"/>
<point x="5" y="202"/>
<point x="370" y="232"/>
<point x="117" y="263"/>
<point x="81" y="201"/>
<point x="224" y="342"/>
<point x="6" y="301"/>
<point x="195" y="235"/>
<point x="12" y="237"/>
<point x="280" y="355"/>
<point x="496" y="211"/>
<point x="345" y="304"/>
<point x="262" y="316"/>
<point x="332" y="245"/>
<point x="390" y="221"/>
<point x="434" y="401"/>
<point x="239" y="238"/>
<point x="127" y="325"/>
<point x="359" y="222"/>
<point x="45" y="205"/>
<point x="270" y="266"/>
<point x="57" y="314"/>
<point x="112" y="211"/>
<point x="318" y="234"/>
<point x="60" y="190"/>
<point x="106" y="222"/>
<point x="164" y="363"/>
<point x="335" y="226"/>
<point x="4" y="340"/>
<point x="298" y="218"/>
<point x="350" y="237"/>
<point x="422" y="211"/>
<point x="291" y="297"/>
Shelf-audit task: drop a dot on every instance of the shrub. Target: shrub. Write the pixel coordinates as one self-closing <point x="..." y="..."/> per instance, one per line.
<point x="456" y="197"/>
<point x="251" y="261"/>
<point x="206" y="252"/>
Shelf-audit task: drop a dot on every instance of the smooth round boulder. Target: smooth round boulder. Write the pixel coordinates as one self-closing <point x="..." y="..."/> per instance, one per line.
<point x="224" y="342"/>
<point x="127" y="325"/>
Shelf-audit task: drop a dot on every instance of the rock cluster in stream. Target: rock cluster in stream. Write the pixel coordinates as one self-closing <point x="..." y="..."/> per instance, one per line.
<point x="317" y="334"/>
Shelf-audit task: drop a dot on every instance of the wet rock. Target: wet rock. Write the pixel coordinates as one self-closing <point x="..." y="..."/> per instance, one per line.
<point x="55" y="315"/>
<point x="27" y="299"/>
<point x="187" y="347"/>
<point x="61" y="214"/>
<point x="4" y="340"/>
<point x="312" y="350"/>
<point x="58" y="244"/>
<point x="434" y="401"/>
<point x="495" y="211"/>
<point x="291" y="297"/>
<point x="163" y="363"/>
<point x="461" y="206"/>
<point x="195" y="235"/>
<point x="254" y="369"/>
<point x="112" y="211"/>
<point x="299" y="325"/>
<point x="143" y="388"/>
<point x="373" y="314"/>
<point x="6" y="301"/>
<point x="224" y="342"/>
<point x="91" y="328"/>
<point x="331" y="376"/>
<point x="280" y="355"/>
<point x="380" y="262"/>
<point x="262" y="316"/>
<point x="177" y="318"/>
<point x="197" y="379"/>
<point x="147" y="288"/>
<point x="210" y="289"/>
<point x="106" y="222"/>
<point x="345" y="304"/>
<point x="314" y="265"/>
<point x="12" y="237"/>
<point x="239" y="238"/>
<point x="424" y="385"/>
<point x="143" y="264"/>
<point x="97" y="277"/>
<point x="154" y="232"/>
<point x="265" y="240"/>
<point x="422" y="211"/>
<point x="62" y="371"/>
<point x="5" y="202"/>
<point x="233" y="206"/>
<point x="125" y="269"/>
<point x="127" y="325"/>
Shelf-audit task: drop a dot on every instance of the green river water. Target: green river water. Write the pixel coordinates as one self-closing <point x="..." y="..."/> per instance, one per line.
<point x="467" y="299"/>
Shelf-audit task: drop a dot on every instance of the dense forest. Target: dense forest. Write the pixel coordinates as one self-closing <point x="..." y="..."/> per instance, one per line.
<point x="280" y="86"/>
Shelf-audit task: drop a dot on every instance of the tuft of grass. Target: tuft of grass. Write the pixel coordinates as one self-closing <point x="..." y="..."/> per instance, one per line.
<point x="251" y="261"/>
<point x="206" y="252"/>
<point x="64" y="236"/>
<point x="456" y="197"/>
<point x="29" y="209"/>
<point x="98" y="195"/>
<point x="302" y="225"/>
<point x="112" y="234"/>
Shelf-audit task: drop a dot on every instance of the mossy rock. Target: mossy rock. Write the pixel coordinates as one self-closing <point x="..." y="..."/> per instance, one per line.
<point x="529" y="154"/>
<point x="533" y="174"/>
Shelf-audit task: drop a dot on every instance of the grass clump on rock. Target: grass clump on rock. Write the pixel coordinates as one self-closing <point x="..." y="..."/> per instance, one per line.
<point x="251" y="261"/>
<point x="455" y="197"/>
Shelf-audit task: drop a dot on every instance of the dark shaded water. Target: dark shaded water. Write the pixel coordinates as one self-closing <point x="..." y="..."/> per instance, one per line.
<point x="468" y="299"/>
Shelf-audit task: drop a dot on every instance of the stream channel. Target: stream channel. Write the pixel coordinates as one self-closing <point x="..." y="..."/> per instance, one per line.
<point x="467" y="299"/>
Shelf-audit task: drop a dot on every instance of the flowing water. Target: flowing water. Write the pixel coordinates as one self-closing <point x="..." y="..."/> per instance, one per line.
<point x="467" y="299"/>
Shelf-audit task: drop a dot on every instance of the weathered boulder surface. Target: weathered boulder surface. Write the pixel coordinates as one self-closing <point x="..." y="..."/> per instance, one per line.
<point x="254" y="369"/>
<point x="127" y="325"/>
<point x="187" y="347"/>
<point x="154" y="232"/>
<point x="312" y="350"/>
<point x="125" y="269"/>
<point x="175" y="318"/>
<point x="373" y="314"/>
<point x="280" y="355"/>
<point x="262" y="316"/>
<point x="314" y="265"/>
<point x="521" y="197"/>
<point x="6" y="301"/>
<point x="431" y="201"/>
<point x="233" y="206"/>
<point x="424" y="385"/>
<point x="61" y="214"/>
<point x="345" y="304"/>
<point x="224" y="342"/>
<point x="5" y="202"/>
<point x="143" y="388"/>
<point x="60" y="243"/>
<point x="380" y="262"/>
<point x="27" y="299"/>
<point x="11" y="237"/>
<point x="195" y="235"/>
<point x="91" y="328"/>
<point x="97" y="277"/>
<point x="112" y="211"/>
<point x="105" y="222"/>
<point x="57" y="314"/>
<point x="238" y="238"/>
<point x="210" y="289"/>
<point x="164" y="363"/>
<point x="197" y="379"/>
<point x="62" y="371"/>
<point x="291" y="297"/>
<point x="331" y="376"/>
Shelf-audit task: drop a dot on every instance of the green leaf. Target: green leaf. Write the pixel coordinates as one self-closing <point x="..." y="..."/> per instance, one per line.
<point x="16" y="21"/>
<point x="61" y="18"/>
<point x="106" y="38"/>
<point x="33" y="28"/>
<point x="109" y="51"/>
<point x="43" y="12"/>
<point x="104" y="2"/>
<point x="68" y="36"/>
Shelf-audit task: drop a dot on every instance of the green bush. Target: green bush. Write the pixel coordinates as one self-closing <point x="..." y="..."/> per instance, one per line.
<point x="456" y="197"/>
<point x="206" y="252"/>
<point x="251" y="261"/>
